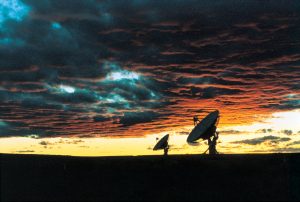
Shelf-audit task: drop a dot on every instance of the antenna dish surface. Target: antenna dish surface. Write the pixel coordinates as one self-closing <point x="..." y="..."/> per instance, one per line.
<point x="162" y="143"/>
<point x="201" y="128"/>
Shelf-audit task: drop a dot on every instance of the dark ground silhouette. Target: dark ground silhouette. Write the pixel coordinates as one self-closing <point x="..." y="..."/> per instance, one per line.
<point x="176" y="177"/>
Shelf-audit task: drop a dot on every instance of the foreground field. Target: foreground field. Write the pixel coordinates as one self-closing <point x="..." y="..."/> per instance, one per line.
<point x="182" y="177"/>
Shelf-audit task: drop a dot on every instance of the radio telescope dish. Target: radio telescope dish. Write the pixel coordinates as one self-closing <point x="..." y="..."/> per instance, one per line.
<point x="202" y="129"/>
<point x="162" y="144"/>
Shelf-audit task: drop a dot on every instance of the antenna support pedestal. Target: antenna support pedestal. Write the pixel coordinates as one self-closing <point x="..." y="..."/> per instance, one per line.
<point x="212" y="143"/>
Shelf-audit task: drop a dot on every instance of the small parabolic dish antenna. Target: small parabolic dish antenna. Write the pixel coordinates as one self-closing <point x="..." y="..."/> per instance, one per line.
<point x="201" y="130"/>
<point x="162" y="143"/>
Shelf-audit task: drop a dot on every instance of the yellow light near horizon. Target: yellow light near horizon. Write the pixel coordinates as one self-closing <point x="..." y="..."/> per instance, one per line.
<point x="286" y="120"/>
<point x="289" y="120"/>
<point x="131" y="146"/>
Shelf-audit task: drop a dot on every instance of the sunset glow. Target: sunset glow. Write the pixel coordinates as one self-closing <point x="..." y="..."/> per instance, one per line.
<point x="96" y="80"/>
<point x="276" y="138"/>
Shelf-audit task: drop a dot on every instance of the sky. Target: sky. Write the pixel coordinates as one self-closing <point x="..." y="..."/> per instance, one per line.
<point x="99" y="78"/>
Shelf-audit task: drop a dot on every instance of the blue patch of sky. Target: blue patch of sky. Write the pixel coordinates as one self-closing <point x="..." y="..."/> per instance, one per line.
<point x="116" y="73"/>
<point x="106" y="18"/>
<point x="110" y="110"/>
<point x="122" y="74"/>
<point x="66" y="89"/>
<point x="2" y="123"/>
<point x="7" y="41"/>
<point x="115" y="98"/>
<point x="115" y="77"/>
<point x="12" y="10"/>
<point x="55" y="25"/>
<point x="119" y="76"/>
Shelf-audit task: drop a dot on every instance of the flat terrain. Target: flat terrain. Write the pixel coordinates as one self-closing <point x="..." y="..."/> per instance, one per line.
<point x="180" y="177"/>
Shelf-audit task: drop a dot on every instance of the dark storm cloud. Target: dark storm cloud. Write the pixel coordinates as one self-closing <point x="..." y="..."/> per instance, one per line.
<point x="256" y="141"/>
<point x="210" y="80"/>
<point x="269" y="130"/>
<point x="209" y="92"/>
<point x="44" y="143"/>
<point x="25" y="151"/>
<point x="100" y="118"/>
<point x="67" y="65"/>
<point x="230" y="132"/>
<point x="131" y="118"/>
<point x="285" y="105"/>
<point x="287" y="132"/>
<point x="22" y="129"/>
<point x="294" y="143"/>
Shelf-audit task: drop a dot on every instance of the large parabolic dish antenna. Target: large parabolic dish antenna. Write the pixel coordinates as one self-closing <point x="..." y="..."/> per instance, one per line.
<point x="201" y="129"/>
<point x="162" y="143"/>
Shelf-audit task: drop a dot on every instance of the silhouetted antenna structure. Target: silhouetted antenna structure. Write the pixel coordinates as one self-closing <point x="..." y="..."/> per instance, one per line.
<point x="163" y="144"/>
<point x="206" y="130"/>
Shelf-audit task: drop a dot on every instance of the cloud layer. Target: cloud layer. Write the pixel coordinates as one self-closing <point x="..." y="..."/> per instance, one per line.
<point x="89" y="68"/>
